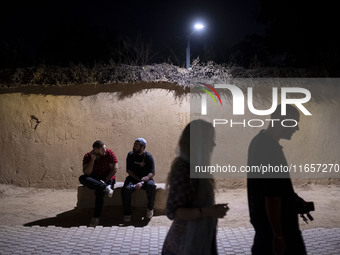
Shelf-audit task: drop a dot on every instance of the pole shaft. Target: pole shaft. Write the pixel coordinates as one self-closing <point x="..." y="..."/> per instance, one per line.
<point x="188" y="53"/>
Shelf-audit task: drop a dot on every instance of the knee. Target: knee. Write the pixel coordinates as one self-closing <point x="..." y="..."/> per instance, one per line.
<point x="81" y="178"/>
<point x="150" y="183"/>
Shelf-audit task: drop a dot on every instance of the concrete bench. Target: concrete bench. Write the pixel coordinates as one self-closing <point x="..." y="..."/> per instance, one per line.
<point x="86" y="197"/>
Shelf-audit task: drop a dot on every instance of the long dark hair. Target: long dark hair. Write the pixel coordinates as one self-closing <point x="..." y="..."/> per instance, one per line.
<point x="203" y="131"/>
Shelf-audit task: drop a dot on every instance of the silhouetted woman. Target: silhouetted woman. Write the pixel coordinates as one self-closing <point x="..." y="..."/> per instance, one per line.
<point x="191" y="202"/>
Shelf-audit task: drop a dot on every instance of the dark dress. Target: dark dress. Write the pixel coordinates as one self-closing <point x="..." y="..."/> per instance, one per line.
<point x="191" y="236"/>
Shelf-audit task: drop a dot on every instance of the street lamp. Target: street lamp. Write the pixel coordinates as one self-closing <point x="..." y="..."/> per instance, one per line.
<point x="197" y="26"/>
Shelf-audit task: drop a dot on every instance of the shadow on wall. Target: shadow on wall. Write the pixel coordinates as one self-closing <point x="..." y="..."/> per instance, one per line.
<point x="111" y="216"/>
<point x="123" y="90"/>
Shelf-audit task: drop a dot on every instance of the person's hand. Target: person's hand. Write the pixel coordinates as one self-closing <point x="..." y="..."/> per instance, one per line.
<point x="139" y="185"/>
<point x="279" y="245"/>
<point x="93" y="156"/>
<point x="221" y="210"/>
<point x="145" y="179"/>
<point x="218" y="210"/>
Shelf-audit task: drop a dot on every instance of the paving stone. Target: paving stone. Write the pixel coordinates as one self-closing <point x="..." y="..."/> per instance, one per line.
<point x="117" y="240"/>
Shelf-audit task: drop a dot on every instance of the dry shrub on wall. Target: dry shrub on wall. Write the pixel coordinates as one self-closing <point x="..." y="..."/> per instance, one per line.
<point x="107" y="74"/>
<point x="21" y="76"/>
<point x="209" y="72"/>
<point x="80" y="74"/>
<point x="45" y="76"/>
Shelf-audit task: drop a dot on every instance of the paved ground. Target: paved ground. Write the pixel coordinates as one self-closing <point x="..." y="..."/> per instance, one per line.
<point x="137" y="240"/>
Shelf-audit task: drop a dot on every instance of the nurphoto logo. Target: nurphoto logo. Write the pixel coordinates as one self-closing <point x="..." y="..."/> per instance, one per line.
<point x="238" y="99"/>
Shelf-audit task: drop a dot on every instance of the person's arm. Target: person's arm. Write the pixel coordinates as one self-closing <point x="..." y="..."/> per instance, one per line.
<point x="132" y="174"/>
<point x="144" y="179"/>
<point x="88" y="168"/>
<point x="151" y="164"/>
<point x="148" y="177"/>
<point x="273" y="209"/>
<point x="113" y="171"/>
<point x="215" y="211"/>
<point x="129" y="164"/>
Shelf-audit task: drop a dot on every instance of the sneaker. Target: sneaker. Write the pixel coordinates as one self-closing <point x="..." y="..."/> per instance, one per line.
<point x="127" y="218"/>
<point x="109" y="191"/>
<point x="94" y="222"/>
<point x="149" y="214"/>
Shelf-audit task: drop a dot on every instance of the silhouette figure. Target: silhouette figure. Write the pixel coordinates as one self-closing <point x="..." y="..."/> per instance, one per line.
<point x="191" y="202"/>
<point x="271" y="198"/>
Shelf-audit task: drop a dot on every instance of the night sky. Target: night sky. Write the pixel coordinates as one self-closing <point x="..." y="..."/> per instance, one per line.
<point x="39" y="28"/>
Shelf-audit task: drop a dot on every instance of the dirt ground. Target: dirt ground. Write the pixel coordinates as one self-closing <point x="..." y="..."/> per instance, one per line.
<point x="32" y="206"/>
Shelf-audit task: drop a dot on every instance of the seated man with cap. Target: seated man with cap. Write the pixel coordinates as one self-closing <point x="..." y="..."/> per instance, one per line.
<point x="140" y="167"/>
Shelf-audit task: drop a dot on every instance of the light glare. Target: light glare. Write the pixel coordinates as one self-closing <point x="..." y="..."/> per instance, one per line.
<point x="198" y="26"/>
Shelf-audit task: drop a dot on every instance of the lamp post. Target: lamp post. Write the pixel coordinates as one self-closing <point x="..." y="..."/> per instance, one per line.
<point x="197" y="26"/>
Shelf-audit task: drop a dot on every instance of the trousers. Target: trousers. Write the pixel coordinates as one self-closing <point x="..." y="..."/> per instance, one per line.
<point x="127" y="191"/>
<point x="263" y="243"/>
<point x="99" y="187"/>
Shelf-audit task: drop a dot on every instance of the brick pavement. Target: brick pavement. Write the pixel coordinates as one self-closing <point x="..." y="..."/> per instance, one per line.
<point x="137" y="240"/>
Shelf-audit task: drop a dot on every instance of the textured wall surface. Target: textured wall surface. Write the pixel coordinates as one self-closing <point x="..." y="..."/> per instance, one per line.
<point x="45" y="135"/>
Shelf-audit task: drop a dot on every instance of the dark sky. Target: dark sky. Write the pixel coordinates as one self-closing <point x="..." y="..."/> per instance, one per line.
<point x="163" y="22"/>
<point x="300" y="32"/>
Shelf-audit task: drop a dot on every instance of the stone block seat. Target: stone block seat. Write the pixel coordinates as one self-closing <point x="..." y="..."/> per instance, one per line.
<point x="86" y="198"/>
